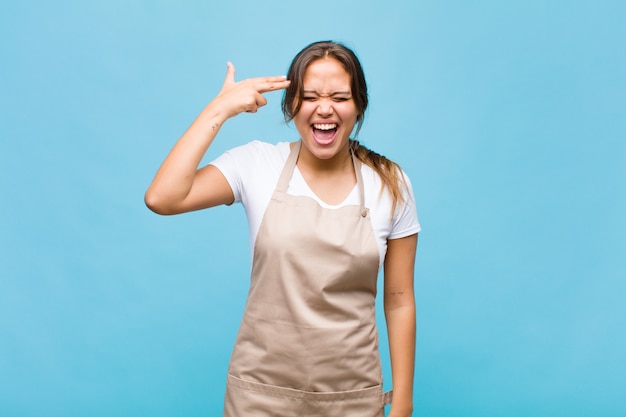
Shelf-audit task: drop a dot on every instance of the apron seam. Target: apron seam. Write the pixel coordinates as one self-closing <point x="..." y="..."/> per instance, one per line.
<point x="309" y="396"/>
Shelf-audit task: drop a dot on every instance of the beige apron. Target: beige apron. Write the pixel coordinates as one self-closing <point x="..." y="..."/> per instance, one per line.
<point x="308" y="344"/>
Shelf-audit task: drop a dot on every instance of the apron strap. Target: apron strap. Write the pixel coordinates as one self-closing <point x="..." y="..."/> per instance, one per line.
<point x="359" y="182"/>
<point x="285" y="175"/>
<point x="387" y="397"/>
<point x="290" y="164"/>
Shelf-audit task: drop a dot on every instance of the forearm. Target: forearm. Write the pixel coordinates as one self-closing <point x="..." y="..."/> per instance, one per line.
<point x="401" y="331"/>
<point x="178" y="185"/>
<point x="174" y="179"/>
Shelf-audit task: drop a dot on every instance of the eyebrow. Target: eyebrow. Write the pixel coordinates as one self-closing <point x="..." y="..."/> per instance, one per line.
<point x="334" y="93"/>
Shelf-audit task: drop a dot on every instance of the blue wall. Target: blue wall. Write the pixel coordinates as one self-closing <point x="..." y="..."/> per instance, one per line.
<point x="508" y="116"/>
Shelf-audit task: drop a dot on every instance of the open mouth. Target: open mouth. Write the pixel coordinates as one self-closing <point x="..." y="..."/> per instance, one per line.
<point x="324" y="133"/>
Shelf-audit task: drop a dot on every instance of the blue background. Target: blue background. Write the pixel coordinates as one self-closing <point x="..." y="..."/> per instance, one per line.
<point x="507" y="115"/>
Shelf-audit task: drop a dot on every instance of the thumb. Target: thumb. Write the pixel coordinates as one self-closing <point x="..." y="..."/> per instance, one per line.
<point x="230" y="73"/>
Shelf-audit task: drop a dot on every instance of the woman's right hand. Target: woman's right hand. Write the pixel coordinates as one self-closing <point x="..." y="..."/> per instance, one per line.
<point x="246" y="95"/>
<point x="179" y="186"/>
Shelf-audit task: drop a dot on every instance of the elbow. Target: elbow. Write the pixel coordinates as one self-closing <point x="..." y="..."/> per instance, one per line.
<point x="156" y="204"/>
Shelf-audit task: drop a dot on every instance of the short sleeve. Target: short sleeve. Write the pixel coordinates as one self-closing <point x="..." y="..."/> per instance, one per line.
<point x="236" y="163"/>
<point x="252" y="171"/>
<point x="405" y="221"/>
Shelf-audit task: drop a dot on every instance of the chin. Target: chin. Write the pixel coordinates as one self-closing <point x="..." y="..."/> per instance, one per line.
<point x="325" y="152"/>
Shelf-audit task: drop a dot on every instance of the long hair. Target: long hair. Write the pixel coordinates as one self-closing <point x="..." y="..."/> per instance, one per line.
<point x="388" y="170"/>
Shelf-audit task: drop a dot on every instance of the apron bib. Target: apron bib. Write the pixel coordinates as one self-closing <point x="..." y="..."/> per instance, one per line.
<point x="308" y="344"/>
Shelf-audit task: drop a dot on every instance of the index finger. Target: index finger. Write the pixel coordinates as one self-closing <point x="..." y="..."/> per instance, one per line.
<point x="266" y="86"/>
<point x="272" y="79"/>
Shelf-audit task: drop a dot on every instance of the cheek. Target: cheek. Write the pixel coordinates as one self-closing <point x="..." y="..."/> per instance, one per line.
<point x="348" y="112"/>
<point x="301" y="120"/>
<point x="305" y="111"/>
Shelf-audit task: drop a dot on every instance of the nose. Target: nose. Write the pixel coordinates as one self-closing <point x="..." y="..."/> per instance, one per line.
<point x="325" y="106"/>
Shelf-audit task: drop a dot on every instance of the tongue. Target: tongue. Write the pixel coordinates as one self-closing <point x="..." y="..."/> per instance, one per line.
<point x="324" y="134"/>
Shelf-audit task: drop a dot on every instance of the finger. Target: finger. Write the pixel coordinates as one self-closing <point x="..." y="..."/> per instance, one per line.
<point x="273" y="79"/>
<point x="252" y="109"/>
<point x="260" y="100"/>
<point x="265" y="87"/>
<point x="276" y="78"/>
<point x="230" y="73"/>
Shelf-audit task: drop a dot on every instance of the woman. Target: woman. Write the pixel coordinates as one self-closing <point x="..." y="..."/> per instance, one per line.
<point x="324" y="214"/>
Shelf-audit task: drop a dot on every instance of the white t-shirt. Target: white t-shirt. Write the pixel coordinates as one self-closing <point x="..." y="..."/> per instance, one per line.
<point x="252" y="170"/>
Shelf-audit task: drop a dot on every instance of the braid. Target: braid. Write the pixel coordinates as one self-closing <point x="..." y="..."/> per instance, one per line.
<point x="388" y="170"/>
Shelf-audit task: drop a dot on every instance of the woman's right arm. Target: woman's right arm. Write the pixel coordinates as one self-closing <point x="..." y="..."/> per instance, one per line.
<point x="179" y="186"/>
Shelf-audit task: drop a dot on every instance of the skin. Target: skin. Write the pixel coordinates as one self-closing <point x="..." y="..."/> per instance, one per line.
<point x="399" y="305"/>
<point x="179" y="186"/>
<point x="327" y="168"/>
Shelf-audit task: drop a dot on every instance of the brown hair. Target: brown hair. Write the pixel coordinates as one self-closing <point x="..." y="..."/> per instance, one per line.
<point x="388" y="170"/>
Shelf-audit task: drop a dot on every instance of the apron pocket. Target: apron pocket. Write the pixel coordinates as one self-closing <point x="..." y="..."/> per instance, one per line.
<point x="247" y="399"/>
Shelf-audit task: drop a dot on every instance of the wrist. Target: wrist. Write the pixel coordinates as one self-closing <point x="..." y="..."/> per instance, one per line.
<point x="401" y="406"/>
<point x="401" y="411"/>
<point x="214" y="114"/>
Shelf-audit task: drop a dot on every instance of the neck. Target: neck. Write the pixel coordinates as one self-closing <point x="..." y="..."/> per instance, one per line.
<point x="341" y="162"/>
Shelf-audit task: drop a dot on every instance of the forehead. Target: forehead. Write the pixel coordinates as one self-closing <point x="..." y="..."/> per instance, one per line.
<point x="326" y="74"/>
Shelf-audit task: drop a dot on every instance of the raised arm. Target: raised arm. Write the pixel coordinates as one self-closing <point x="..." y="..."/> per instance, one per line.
<point x="399" y="307"/>
<point x="179" y="186"/>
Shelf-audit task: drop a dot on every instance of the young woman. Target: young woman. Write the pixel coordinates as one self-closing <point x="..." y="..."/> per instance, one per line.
<point x="325" y="213"/>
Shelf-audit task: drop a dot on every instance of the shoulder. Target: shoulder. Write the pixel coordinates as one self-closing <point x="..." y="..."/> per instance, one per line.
<point x="371" y="177"/>
<point x="252" y="168"/>
<point x="260" y="150"/>
<point x="403" y="221"/>
<point x="253" y="154"/>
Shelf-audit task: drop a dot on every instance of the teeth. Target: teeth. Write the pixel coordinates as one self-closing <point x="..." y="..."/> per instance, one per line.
<point x="325" y="126"/>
